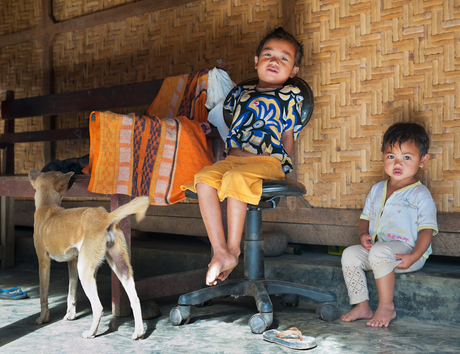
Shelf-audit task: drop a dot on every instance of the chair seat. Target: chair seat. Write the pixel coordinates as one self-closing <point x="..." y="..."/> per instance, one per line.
<point x="272" y="189"/>
<point x="282" y="188"/>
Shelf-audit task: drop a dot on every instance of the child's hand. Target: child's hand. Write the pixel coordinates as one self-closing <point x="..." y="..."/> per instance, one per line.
<point x="366" y="240"/>
<point x="407" y="260"/>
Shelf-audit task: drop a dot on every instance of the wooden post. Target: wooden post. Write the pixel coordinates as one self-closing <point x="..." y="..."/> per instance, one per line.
<point x="289" y="16"/>
<point x="120" y="301"/>
<point x="289" y="25"/>
<point x="8" y="151"/>
<point x="6" y="232"/>
<point x="47" y="22"/>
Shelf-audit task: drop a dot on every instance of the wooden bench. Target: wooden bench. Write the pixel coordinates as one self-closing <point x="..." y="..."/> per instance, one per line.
<point x="11" y="185"/>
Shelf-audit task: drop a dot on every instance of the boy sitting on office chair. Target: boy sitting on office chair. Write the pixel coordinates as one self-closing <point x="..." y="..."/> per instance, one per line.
<point x="266" y="121"/>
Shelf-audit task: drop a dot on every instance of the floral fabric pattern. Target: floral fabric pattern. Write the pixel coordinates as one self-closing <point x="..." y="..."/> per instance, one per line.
<point x="260" y="117"/>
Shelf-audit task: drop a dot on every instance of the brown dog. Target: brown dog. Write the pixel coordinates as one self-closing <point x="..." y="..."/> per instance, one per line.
<point x="83" y="237"/>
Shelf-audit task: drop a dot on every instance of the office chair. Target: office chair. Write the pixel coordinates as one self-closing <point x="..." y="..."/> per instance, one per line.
<point x="254" y="282"/>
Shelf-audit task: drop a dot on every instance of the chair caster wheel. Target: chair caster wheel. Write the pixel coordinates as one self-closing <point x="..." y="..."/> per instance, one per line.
<point x="179" y="315"/>
<point x="290" y="300"/>
<point x="260" y="322"/>
<point x="327" y="311"/>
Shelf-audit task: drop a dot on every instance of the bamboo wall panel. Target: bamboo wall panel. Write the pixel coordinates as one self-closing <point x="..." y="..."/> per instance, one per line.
<point x="21" y="71"/>
<point x="156" y="45"/>
<point x="66" y="10"/>
<point x="371" y="64"/>
<point x="18" y="16"/>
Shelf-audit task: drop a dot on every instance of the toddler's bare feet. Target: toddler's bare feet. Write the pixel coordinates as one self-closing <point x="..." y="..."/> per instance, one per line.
<point x="383" y="316"/>
<point x="360" y="311"/>
<point x="220" y="267"/>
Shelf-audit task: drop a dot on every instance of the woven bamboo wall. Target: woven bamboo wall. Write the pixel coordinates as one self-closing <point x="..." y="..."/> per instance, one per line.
<point x="369" y="63"/>
<point x="157" y="45"/>
<point x="18" y="16"/>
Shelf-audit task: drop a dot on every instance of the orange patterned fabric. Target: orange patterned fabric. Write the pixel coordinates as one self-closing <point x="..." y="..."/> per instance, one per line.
<point x="183" y="95"/>
<point x="139" y="155"/>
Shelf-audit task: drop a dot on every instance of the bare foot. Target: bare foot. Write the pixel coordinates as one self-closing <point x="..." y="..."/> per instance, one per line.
<point x="383" y="316"/>
<point x="359" y="312"/>
<point x="220" y="267"/>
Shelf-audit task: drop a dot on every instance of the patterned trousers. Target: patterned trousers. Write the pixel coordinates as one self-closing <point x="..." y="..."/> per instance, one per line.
<point x="380" y="259"/>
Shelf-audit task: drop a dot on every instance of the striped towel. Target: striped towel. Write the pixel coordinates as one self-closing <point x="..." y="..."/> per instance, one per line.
<point x="139" y="155"/>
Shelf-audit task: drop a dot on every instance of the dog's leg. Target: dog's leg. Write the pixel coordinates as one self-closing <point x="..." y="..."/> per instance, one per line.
<point x="72" y="297"/>
<point x="118" y="259"/>
<point x="44" y="263"/>
<point x="87" y="274"/>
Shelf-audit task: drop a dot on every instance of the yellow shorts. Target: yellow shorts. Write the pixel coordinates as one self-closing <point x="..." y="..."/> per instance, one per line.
<point x="239" y="177"/>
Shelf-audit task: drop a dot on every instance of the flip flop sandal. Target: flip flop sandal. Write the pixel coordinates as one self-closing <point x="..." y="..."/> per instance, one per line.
<point x="291" y="338"/>
<point x="15" y="293"/>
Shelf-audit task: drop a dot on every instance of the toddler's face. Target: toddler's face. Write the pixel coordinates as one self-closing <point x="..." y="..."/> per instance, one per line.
<point x="275" y="64"/>
<point x="401" y="163"/>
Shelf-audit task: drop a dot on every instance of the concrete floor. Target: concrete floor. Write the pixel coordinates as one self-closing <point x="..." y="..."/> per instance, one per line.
<point x="218" y="328"/>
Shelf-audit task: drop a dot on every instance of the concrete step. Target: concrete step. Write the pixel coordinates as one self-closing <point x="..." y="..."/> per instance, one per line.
<point x="430" y="294"/>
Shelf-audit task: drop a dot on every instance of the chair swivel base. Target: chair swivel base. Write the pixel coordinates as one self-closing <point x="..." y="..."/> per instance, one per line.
<point x="260" y="290"/>
<point x="254" y="284"/>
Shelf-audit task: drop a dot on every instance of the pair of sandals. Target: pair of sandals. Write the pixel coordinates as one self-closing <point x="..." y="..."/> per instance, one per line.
<point x="15" y="293"/>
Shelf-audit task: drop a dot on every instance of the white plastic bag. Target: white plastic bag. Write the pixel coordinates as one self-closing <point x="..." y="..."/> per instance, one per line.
<point x="219" y="85"/>
<point x="216" y="118"/>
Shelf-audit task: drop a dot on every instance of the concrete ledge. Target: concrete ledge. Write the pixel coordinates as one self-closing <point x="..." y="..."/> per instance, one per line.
<point x="430" y="294"/>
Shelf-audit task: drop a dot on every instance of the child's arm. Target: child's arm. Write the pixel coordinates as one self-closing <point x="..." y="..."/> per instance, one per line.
<point x="421" y="245"/>
<point x="364" y="237"/>
<point x="288" y="141"/>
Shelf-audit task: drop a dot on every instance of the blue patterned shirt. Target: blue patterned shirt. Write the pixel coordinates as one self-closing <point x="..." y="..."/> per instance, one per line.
<point x="261" y="116"/>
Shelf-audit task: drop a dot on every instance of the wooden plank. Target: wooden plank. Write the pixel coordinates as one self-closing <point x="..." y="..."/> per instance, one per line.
<point x="8" y="150"/>
<point x="7" y="232"/>
<point x="447" y="222"/>
<point x="172" y="225"/>
<point x="170" y="284"/>
<point x="120" y="96"/>
<point x="289" y="16"/>
<point x="47" y="27"/>
<point x="44" y="135"/>
<point x="324" y="216"/>
<point x="120" y="301"/>
<point x="19" y="186"/>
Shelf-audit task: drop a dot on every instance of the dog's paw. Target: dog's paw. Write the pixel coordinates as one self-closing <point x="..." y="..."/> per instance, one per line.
<point x="70" y="316"/>
<point x="88" y="335"/>
<point x="43" y="319"/>
<point x="138" y="334"/>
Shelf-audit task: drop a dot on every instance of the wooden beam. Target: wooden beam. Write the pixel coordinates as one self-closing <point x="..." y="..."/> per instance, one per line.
<point x="289" y="16"/>
<point x="119" y="13"/>
<point x="6" y="232"/>
<point x="120" y="96"/>
<point x="19" y="186"/>
<point x="44" y="135"/>
<point x="170" y="284"/>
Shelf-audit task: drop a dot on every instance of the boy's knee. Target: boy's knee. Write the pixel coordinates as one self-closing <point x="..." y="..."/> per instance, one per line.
<point x="350" y="256"/>
<point x="380" y="251"/>
<point x="230" y="177"/>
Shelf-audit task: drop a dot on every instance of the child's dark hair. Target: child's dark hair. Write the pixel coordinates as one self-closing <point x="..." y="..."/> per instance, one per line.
<point x="280" y="34"/>
<point x="399" y="133"/>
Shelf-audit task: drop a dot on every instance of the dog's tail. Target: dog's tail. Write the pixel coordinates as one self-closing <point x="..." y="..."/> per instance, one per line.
<point x="137" y="206"/>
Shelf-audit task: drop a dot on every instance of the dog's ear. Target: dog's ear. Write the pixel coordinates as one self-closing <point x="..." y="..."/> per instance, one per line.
<point x="33" y="174"/>
<point x="64" y="182"/>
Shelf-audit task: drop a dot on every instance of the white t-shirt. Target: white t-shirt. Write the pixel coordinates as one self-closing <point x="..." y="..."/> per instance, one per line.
<point x="407" y="211"/>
